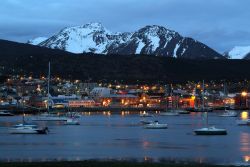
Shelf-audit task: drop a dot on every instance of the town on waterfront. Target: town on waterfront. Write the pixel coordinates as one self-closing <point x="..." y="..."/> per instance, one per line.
<point x="18" y="92"/>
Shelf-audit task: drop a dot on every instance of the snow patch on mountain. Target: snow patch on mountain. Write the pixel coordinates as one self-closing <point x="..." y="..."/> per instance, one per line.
<point x="175" y="50"/>
<point x="154" y="42"/>
<point x="37" y="40"/>
<point x="139" y="47"/>
<point x="239" y="52"/>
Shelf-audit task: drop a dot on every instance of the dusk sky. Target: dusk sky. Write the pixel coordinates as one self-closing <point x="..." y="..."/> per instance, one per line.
<point x="221" y="24"/>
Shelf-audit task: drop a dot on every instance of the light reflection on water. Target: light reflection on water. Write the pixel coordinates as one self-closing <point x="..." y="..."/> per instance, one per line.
<point x="245" y="142"/>
<point x="244" y="115"/>
<point x="120" y="136"/>
<point x="246" y="158"/>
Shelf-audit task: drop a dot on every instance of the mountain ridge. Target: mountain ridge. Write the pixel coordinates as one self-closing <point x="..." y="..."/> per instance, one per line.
<point x="149" y="40"/>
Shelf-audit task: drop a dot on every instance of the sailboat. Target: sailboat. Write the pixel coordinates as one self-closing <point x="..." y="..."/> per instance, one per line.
<point x="48" y="116"/>
<point x="5" y="113"/>
<point x="26" y="128"/>
<point x="228" y="113"/>
<point x="174" y="112"/>
<point x="208" y="130"/>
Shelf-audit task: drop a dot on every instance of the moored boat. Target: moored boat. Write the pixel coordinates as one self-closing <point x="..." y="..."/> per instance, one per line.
<point x="28" y="129"/>
<point x="72" y="121"/>
<point x="229" y="114"/>
<point x="156" y="125"/>
<point x="49" y="117"/>
<point x="5" y="113"/>
<point x="169" y="113"/>
<point x="243" y="122"/>
<point x="210" y="131"/>
<point x="180" y="111"/>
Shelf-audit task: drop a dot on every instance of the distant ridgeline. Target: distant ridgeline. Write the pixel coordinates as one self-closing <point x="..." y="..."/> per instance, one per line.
<point x="17" y="58"/>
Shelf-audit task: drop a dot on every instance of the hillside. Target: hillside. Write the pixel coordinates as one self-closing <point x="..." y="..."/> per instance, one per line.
<point x="19" y="58"/>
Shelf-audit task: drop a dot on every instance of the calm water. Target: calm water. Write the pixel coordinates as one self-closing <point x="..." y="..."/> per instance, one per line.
<point x="122" y="137"/>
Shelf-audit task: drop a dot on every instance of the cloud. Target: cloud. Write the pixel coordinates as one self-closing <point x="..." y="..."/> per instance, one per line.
<point x="219" y="23"/>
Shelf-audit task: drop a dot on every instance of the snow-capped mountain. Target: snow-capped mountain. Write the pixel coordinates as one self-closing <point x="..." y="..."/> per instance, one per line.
<point x="37" y="40"/>
<point x="150" y="40"/>
<point x="238" y="52"/>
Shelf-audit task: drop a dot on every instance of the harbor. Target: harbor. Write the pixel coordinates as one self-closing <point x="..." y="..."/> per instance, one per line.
<point x="121" y="136"/>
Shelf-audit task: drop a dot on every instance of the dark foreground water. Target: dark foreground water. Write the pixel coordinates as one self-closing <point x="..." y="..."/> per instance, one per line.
<point x="121" y="137"/>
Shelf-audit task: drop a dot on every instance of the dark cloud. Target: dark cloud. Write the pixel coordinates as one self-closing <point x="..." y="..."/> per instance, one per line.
<point x="221" y="24"/>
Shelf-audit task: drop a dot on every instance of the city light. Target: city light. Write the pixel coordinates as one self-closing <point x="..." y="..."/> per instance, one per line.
<point x="244" y="93"/>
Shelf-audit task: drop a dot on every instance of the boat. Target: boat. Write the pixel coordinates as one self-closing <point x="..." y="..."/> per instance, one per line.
<point x="229" y="114"/>
<point x="73" y="114"/>
<point x="72" y="121"/>
<point x="25" y="128"/>
<point x="202" y="109"/>
<point x="145" y="114"/>
<point x="243" y="122"/>
<point x="49" y="116"/>
<point x="169" y="113"/>
<point x="208" y="130"/>
<point x="5" y="113"/>
<point x="155" y="125"/>
<point x="28" y="129"/>
<point x="180" y="111"/>
<point x="174" y="110"/>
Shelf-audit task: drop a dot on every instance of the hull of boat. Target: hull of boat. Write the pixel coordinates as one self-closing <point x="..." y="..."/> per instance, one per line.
<point x="210" y="132"/>
<point x="243" y="122"/>
<point x="28" y="131"/>
<point x="169" y="114"/>
<point x="71" y="123"/>
<point x="163" y="126"/>
<point x="6" y="114"/>
<point x="227" y="115"/>
<point x="146" y="116"/>
<point x="49" y="119"/>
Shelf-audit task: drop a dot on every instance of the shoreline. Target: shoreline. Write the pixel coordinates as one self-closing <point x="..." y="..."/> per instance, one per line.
<point x="108" y="163"/>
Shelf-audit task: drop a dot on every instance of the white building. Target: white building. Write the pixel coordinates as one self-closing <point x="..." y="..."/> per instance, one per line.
<point x="100" y="92"/>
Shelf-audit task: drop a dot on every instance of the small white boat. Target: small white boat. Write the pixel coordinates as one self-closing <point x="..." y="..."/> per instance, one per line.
<point x="243" y="122"/>
<point x="71" y="121"/>
<point x="49" y="117"/>
<point x="180" y="111"/>
<point x="229" y="114"/>
<point x="155" y="125"/>
<point x="169" y="113"/>
<point x="145" y="114"/>
<point x="73" y="114"/>
<point x="28" y="129"/>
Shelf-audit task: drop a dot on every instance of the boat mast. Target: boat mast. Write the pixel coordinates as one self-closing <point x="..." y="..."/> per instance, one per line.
<point x="203" y="99"/>
<point x="203" y="102"/>
<point x="171" y="95"/>
<point x="48" y="87"/>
